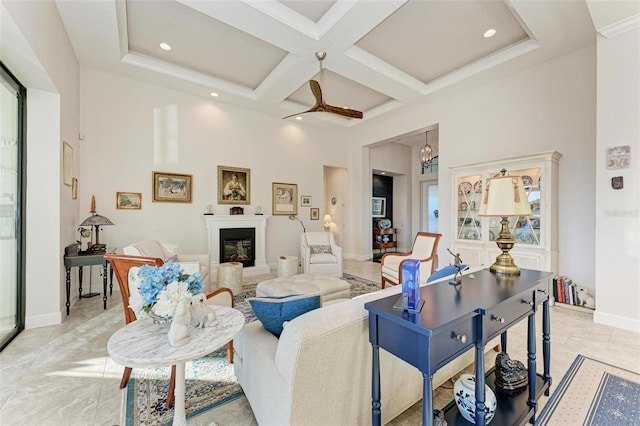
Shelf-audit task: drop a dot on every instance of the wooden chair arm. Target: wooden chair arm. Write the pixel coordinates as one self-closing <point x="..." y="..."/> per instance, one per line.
<point x="220" y="292"/>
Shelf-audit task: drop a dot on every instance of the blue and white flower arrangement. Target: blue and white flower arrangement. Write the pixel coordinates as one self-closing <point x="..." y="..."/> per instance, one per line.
<point x="161" y="288"/>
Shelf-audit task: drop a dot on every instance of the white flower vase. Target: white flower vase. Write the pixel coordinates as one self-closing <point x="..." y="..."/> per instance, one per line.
<point x="464" y="392"/>
<point x="179" y="330"/>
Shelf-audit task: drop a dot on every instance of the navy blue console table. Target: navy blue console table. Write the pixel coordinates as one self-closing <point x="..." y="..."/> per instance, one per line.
<point x="455" y="319"/>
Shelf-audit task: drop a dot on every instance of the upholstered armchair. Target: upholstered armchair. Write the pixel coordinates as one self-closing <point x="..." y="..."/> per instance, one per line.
<point x="320" y="254"/>
<point x="190" y="263"/>
<point x="425" y="247"/>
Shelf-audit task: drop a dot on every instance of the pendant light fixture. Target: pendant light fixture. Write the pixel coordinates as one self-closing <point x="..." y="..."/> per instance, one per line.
<point x="426" y="152"/>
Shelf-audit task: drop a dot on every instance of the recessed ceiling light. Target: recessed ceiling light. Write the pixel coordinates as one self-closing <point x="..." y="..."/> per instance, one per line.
<point x="298" y="118"/>
<point x="489" y="33"/>
<point x="214" y="94"/>
<point x="165" y="46"/>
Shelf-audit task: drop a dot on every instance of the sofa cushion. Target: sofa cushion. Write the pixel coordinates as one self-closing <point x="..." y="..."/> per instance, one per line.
<point x="274" y="311"/>
<point x="317" y="249"/>
<point x="446" y="271"/>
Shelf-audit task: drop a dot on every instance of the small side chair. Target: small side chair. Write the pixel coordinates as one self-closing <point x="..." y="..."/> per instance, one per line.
<point x="425" y="247"/>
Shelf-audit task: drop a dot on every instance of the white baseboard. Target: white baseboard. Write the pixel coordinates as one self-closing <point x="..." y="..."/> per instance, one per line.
<point x="35" y="321"/>
<point x="624" y="323"/>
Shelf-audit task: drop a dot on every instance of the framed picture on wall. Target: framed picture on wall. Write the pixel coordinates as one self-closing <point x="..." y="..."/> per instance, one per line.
<point x="285" y="198"/>
<point x="233" y="185"/>
<point x="315" y="213"/>
<point x="67" y="163"/>
<point x="129" y="200"/>
<point x="305" y="201"/>
<point x="74" y="188"/>
<point x="171" y="187"/>
<point x="378" y="206"/>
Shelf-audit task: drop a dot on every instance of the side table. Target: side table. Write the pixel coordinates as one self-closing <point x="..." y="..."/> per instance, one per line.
<point x="73" y="259"/>
<point x="143" y="344"/>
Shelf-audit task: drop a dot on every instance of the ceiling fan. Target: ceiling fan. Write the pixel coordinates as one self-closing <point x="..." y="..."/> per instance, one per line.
<point x="321" y="105"/>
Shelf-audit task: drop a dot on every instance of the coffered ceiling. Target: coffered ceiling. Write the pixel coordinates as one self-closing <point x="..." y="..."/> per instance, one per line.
<point x="260" y="54"/>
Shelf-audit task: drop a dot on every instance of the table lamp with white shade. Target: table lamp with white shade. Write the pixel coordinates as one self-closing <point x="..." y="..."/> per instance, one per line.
<point x="504" y="196"/>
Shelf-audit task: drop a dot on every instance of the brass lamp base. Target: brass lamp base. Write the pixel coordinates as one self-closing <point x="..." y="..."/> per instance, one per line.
<point x="504" y="262"/>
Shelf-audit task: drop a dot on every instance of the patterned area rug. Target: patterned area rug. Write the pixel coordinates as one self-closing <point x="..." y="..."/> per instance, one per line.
<point x="210" y="381"/>
<point x="594" y="393"/>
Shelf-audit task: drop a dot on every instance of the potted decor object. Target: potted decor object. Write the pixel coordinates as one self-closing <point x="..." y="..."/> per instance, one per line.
<point x="464" y="392"/>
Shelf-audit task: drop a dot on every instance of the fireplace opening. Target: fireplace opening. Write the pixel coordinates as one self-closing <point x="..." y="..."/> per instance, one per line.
<point x="238" y="245"/>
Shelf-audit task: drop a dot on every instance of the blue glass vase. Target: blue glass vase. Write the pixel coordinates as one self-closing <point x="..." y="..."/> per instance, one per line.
<point x="411" y="283"/>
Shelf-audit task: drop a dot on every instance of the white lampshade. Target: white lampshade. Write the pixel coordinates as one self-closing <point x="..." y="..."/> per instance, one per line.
<point x="504" y="196"/>
<point x="327" y="222"/>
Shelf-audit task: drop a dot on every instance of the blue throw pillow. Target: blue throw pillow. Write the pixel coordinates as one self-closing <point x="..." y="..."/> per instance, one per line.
<point x="275" y="310"/>
<point x="444" y="272"/>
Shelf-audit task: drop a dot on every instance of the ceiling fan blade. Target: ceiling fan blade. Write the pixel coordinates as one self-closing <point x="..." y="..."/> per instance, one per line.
<point x="317" y="92"/>
<point x="347" y="112"/>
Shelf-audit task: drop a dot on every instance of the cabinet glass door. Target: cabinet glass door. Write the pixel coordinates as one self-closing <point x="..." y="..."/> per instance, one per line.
<point x="469" y="193"/>
<point x="526" y="229"/>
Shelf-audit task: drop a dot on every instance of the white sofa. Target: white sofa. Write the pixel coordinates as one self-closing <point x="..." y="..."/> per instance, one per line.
<point x="190" y="263"/>
<point x="319" y="371"/>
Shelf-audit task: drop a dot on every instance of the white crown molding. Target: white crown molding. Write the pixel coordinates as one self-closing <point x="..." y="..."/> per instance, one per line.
<point x="620" y="27"/>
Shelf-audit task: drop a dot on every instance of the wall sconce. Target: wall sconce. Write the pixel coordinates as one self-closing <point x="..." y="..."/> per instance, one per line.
<point x="327" y="222"/>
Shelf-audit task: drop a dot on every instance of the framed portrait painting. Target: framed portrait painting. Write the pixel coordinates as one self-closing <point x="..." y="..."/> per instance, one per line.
<point x="234" y="185"/>
<point x="172" y="187"/>
<point x="378" y="206"/>
<point x="285" y="198"/>
<point x="129" y="200"/>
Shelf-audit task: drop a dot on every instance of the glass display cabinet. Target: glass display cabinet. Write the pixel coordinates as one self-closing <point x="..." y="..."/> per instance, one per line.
<point x="536" y="235"/>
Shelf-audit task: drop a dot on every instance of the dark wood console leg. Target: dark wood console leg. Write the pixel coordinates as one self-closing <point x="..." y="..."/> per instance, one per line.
<point x="427" y="400"/>
<point x="531" y="356"/>
<point x="68" y="285"/>
<point x="105" y="267"/>
<point x="480" y="390"/>
<point x="546" y="345"/>
<point x="80" y="281"/>
<point x="376" y="413"/>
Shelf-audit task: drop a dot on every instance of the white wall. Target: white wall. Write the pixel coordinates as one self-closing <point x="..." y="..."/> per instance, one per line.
<point x="36" y="49"/>
<point x="549" y="106"/>
<point x="618" y="211"/>
<point x="117" y="155"/>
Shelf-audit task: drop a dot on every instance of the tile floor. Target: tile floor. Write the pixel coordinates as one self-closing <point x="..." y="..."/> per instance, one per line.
<point x="62" y="375"/>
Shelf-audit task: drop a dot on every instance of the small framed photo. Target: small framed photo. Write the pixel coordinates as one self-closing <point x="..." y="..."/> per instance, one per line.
<point x="284" y="198"/>
<point x="305" y="201"/>
<point x="74" y="188"/>
<point x="67" y="164"/>
<point x="172" y="187"/>
<point x="129" y="200"/>
<point x="233" y="185"/>
<point x="378" y="206"/>
<point x="315" y="213"/>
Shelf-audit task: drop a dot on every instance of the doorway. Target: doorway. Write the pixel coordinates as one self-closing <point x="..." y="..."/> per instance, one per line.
<point x="429" y="206"/>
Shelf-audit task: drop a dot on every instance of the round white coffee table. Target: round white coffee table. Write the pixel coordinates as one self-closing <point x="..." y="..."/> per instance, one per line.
<point x="143" y="344"/>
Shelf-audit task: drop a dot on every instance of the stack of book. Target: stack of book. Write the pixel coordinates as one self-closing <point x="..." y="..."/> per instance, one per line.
<point x="566" y="291"/>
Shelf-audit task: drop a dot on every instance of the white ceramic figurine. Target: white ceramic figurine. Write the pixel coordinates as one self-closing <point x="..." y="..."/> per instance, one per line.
<point x="202" y="313"/>
<point x="179" y="330"/>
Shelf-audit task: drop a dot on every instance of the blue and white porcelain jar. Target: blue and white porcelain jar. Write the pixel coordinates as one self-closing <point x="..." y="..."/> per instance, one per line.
<point x="464" y="392"/>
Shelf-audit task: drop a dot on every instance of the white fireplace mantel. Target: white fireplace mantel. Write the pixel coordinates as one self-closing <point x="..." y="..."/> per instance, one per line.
<point x="214" y="223"/>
